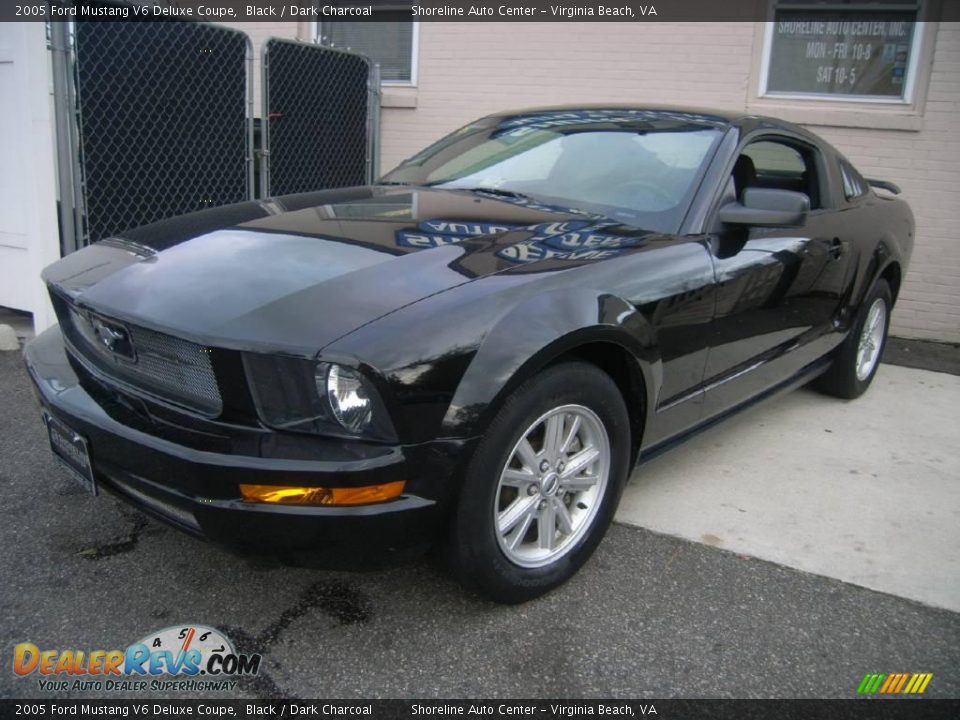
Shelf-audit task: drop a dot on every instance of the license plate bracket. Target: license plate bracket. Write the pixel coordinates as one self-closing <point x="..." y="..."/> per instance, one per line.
<point x="71" y="450"/>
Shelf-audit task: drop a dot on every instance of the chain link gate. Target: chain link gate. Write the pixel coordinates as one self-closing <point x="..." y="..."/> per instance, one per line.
<point x="156" y="120"/>
<point x="320" y="118"/>
<point x="164" y="122"/>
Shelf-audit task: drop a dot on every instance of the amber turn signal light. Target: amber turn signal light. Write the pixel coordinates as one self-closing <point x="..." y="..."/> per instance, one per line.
<point x="296" y="495"/>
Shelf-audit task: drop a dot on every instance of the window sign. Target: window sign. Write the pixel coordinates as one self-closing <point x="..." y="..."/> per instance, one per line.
<point x="847" y="53"/>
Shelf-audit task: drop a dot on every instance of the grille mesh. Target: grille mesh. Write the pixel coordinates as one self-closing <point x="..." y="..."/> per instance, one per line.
<point x="170" y="368"/>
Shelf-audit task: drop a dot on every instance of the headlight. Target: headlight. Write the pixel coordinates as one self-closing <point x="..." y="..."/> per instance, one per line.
<point x="320" y="398"/>
<point x="349" y="397"/>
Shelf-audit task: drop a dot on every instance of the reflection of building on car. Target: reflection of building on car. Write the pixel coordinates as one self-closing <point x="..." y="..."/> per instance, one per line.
<point x="471" y="352"/>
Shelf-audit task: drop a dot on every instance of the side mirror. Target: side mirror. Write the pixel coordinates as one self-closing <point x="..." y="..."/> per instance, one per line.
<point x="767" y="206"/>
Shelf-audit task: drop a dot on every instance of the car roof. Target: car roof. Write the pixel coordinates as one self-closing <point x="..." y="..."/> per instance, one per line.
<point x="744" y="121"/>
<point x="707" y="113"/>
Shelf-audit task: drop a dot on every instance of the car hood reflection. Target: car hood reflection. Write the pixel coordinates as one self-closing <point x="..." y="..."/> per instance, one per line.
<point x="297" y="273"/>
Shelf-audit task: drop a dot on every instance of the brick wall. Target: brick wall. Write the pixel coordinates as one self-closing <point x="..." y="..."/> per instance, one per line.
<point x="467" y="70"/>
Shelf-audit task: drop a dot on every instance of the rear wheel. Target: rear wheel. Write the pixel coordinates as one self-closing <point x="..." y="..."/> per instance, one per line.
<point x="543" y="484"/>
<point x="857" y="361"/>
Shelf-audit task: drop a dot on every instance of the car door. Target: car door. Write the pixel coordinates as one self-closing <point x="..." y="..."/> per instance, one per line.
<point x="671" y="283"/>
<point x="777" y="288"/>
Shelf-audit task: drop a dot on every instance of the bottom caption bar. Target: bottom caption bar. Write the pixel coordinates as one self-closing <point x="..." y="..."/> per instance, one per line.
<point x="912" y="709"/>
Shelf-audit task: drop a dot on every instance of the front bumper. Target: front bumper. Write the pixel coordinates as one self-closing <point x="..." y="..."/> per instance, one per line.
<point x="197" y="489"/>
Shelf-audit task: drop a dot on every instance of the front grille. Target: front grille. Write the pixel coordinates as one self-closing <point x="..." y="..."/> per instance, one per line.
<point x="162" y="507"/>
<point x="165" y="367"/>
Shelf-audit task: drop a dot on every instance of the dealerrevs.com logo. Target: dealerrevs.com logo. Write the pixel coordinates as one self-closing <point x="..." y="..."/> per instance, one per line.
<point x="177" y="658"/>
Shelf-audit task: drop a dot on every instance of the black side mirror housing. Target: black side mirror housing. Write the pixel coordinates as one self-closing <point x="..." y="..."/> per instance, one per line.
<point x="767" y="206"/>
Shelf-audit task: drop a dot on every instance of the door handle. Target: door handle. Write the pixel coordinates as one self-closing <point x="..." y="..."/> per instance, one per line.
<point x="837" y="248"/>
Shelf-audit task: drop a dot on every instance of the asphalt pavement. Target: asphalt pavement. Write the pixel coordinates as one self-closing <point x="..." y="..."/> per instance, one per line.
<point x="649" y="616"/>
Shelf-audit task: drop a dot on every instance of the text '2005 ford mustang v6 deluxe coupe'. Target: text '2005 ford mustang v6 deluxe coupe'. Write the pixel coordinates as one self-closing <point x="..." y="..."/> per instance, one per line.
<point x="473" y="353"/>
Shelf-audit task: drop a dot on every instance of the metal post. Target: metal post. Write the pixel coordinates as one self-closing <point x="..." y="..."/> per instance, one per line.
<point x="265" y="119"/>
<point x="251" y="115"/>
<point x="68" y="155"/>
<point x="373" y="125"/>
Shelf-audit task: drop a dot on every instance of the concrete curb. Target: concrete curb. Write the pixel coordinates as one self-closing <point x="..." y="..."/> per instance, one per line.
<point x="8" y="339"/>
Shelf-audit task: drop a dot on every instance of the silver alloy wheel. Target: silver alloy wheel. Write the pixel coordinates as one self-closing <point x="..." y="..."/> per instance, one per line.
<point x="551" y="486"/>
<point x="871" y="339"/>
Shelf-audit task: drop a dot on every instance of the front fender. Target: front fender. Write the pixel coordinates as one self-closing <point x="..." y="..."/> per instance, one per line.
<point x="535" y="333"/>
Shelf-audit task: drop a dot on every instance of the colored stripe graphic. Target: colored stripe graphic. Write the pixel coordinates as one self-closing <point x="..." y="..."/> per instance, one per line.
<point x="870" y="683"/>
<point x="894" y="683"/>
<point x="918" y="683"/>
<point x="914" y="682"/>
<point x="890" y="686"/>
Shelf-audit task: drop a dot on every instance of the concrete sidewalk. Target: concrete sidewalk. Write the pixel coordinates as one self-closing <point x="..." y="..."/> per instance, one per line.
<point x="866" y="491"/>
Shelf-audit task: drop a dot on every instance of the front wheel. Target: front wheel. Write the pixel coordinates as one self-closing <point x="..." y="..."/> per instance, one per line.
<point x="543" y="484"/>
<point x="856" y="363"/>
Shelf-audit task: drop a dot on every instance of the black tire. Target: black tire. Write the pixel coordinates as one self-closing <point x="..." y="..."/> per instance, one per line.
<point x="474" y="550"/>
<point x="841" y="378"/>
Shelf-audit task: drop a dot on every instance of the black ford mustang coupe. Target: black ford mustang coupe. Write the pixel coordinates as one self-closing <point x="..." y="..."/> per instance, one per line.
<point x="473" y="353"/>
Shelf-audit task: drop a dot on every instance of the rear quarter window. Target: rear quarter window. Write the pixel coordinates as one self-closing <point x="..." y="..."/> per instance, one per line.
<point x="854" y="186"/>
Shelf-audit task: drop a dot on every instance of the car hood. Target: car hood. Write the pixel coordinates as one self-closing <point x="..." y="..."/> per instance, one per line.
<point x="298" y="272"/>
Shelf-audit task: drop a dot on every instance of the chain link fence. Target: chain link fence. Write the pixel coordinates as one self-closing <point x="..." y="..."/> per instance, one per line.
<point x="319" y="118"/>
<point x="164" y="121"/>
<point x="157" y="119"/>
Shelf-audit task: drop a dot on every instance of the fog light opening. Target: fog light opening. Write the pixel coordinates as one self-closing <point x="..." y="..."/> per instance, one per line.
<point x="297" y="495"/>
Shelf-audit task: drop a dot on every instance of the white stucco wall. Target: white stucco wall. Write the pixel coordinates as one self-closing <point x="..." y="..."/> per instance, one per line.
<point x="29" y="239"/>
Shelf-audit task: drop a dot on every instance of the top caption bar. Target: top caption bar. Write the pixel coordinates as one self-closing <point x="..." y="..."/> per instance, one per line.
<point x="451" y="11"/>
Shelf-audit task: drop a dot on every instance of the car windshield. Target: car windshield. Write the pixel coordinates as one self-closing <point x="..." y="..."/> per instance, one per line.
<point x="637" y="167"/>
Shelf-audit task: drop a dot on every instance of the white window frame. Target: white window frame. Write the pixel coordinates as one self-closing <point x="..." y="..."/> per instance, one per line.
<point x="414" y="55"/>
<point x="906" y="99"/>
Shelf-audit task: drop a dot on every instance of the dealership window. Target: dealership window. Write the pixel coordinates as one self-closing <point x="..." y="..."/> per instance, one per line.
<point x="844" y="50"/>
<point x="387" y="40"/>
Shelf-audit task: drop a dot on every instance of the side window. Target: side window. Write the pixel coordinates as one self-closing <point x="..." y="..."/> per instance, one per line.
<point x="776" y="161"/>
<point x="784" y="166"/>
<point x="854" y="186"/>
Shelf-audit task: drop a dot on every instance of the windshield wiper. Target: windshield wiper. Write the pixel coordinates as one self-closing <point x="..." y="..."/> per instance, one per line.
<point x="500" y="192"/>
<point x="558" y="204"/>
